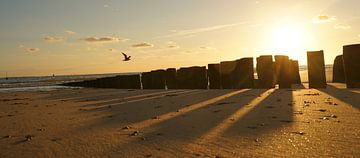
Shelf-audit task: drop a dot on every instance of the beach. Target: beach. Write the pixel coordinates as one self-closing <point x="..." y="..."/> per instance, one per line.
<point x="86" y="122"/>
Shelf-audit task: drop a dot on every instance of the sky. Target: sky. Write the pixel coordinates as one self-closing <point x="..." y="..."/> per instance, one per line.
<point x="61" y="37"/>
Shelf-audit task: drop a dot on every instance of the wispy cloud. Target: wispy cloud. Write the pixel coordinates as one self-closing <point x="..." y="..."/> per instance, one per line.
<point x="206" y="48"/>
<point x="323" y="19"/>
<point x="103" y="39"/>
<point x="142" y="45"/>
<point x="54" y="39"/>
<point x="342" y="27"/>
<point x="172" y="45"/>
<point x="176" y="33"/>
<point x="32" y="50"/>
<point x="69" y="32"/>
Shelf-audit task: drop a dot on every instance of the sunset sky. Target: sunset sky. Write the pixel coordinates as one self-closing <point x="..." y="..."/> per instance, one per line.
<point x="45" y="37"/>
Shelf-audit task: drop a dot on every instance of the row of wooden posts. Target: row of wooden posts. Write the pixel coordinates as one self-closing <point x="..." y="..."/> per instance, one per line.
<point x="239" y="74"/>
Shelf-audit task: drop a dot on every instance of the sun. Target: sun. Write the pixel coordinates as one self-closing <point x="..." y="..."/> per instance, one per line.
<point x="288" y="40"/>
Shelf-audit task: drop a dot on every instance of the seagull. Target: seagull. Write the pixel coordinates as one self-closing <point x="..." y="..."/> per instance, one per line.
<point x="126" y="57"/>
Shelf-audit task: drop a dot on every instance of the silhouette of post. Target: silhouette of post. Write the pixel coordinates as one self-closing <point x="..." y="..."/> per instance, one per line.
<point x="182" y="77"/>
<point x="265" y="71"/>
<point x="158" y="79"/>
<point x="316" y="69"/>
<point x="244" y="73"/>
<point x="199" y="77"/>
<point x="170" y="78"/>
<point x="351" y="58"/>
<point x="295" y="74"/>
<point x="227" y="69"/>
<point x="214" y="76"/>
<point x="282" y="63"/>
<point x="338" y="70"/>
<point x="192" y="78"/>
<point x="146" y="80"/>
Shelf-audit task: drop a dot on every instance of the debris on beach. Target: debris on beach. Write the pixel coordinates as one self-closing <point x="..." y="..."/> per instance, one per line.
<point x="126" y="128"/>
<point x="298" y="112"/>
<point x="135" y="133"/>
<point x="8" y="136"/>
<point x="322" y="110"/>
<point x="29" y="137"/>
<point x="286" y="121"/>
<point x="299" y="133"/>
<point x="155" y="117"/>
<point x="311" y="94"/>
<point x="216" y="111"/>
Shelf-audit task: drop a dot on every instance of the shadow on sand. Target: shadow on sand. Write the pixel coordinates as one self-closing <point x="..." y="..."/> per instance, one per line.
<point x="343" y="94"/>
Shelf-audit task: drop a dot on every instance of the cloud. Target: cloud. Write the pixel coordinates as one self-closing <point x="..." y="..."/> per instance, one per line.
<point x="53" y="39"/>
<point x="323" y="19"/>
<point x="142" y="45"/>
<point x="206" y="48"/>
<point x="32" y="50"/>
<point x="103" y="39"/>
<point x="176" y="33"/>
<point x="172" y="45"/>
<point x="69" y="32"/>
<point x="342" y="27"/>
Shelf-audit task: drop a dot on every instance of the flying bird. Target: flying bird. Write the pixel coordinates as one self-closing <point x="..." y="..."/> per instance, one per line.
<point x="126" y="57"/>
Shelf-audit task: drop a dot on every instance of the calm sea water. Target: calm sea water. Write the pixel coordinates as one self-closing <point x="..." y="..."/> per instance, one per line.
<point x="46" y="83"/>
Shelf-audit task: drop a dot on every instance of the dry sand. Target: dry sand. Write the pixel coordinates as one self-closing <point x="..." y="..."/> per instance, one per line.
<point x="294" y="122"/>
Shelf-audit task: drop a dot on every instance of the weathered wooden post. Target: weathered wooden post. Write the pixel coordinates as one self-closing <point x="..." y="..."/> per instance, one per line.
<point x="351" y="57"/>
<point x="316" y="69"/>
<point x="170" y="78"/>
<point x="265" y="71"/>
<point x="243" y="74"/>
<point x="295" y="74"/>
<point x="338" y="70"/>
<point x="198" y="77"/>
<point x="214" y="76"/>
<point x="158" y="79"/>
<point x="146" y="80"/>
<point x="283" y="71"/>
<point x="182" y="77"/>
<point x="227" y="69"/>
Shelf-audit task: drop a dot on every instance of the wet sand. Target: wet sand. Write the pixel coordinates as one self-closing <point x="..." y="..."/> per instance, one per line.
<point x="294" y="122"/>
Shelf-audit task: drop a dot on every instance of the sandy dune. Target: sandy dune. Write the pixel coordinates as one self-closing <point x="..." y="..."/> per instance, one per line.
<point x="294" y="122"/>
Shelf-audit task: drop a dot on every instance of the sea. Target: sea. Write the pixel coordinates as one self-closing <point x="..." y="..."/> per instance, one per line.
<point x="49" y="83"/>
<point x="46" y="83"/>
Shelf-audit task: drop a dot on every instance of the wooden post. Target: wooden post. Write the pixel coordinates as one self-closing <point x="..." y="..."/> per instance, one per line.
<point x="265" y="71"/>
<point x="170" y="78"/>
<point x="351" y="57"/>
<point x="227" y="69"/>
<point x="316" y="69"/>
<point x="214" y="76"/>
<point x="283" y="67"/>
<point x="244" y="73"/>
<point x="338" y="70"/>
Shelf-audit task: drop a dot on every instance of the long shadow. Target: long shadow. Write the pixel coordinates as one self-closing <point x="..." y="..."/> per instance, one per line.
<point x="83" y="95"/>
<point x="149" y="109"/>
<point x="344" y="95"/>
<point x="183" y="129"/>
<point x="138" y="97"/>
<point x="276" y="111"/>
